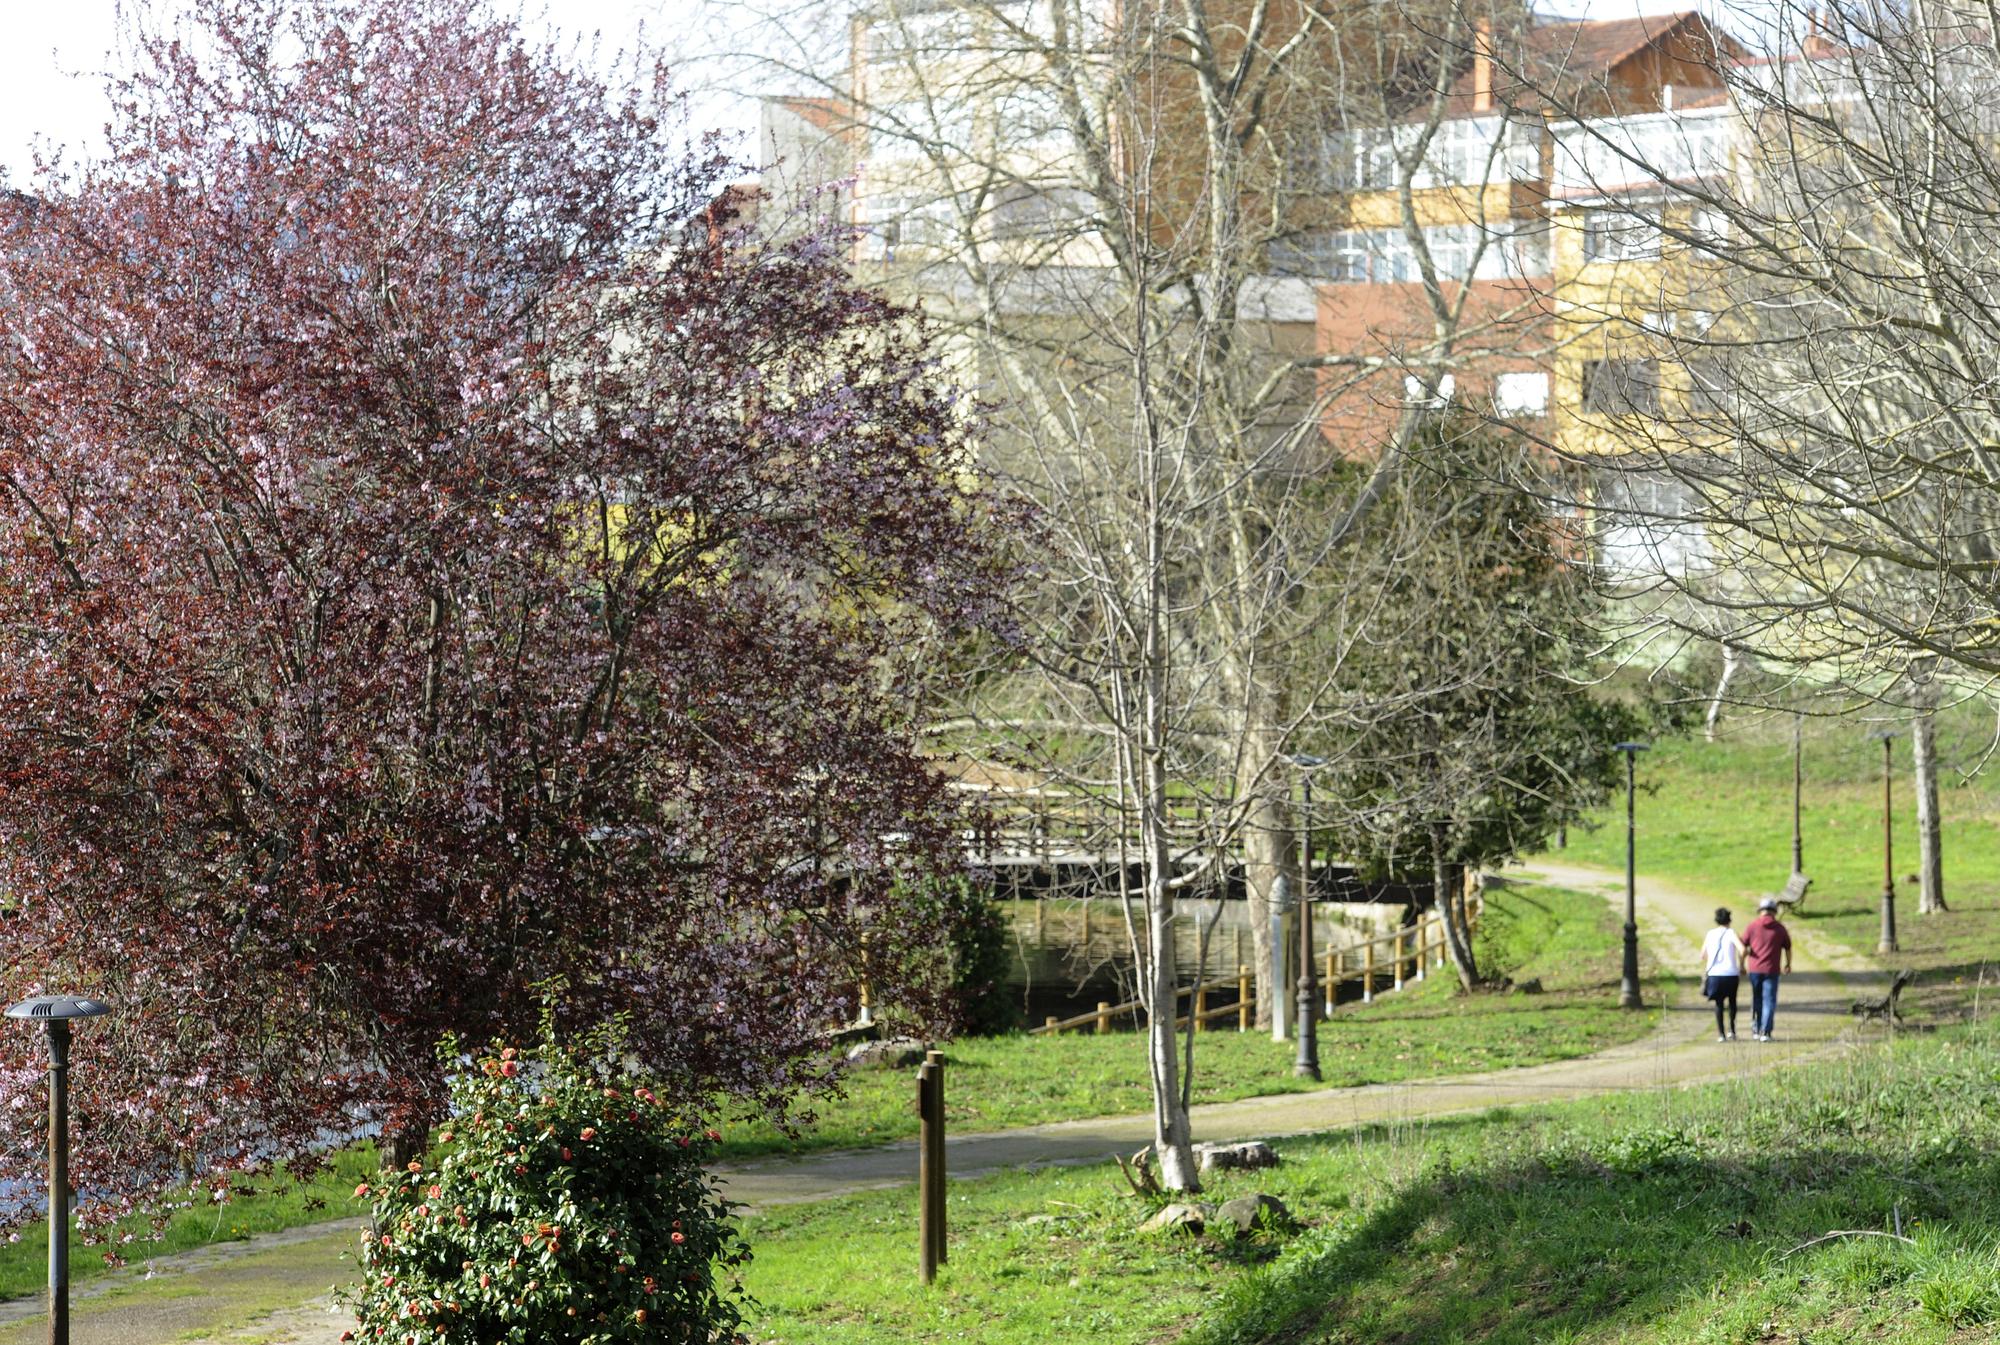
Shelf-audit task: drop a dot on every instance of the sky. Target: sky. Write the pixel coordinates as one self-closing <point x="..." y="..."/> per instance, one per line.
<point x="52" y="48"/>
<point x="50" y="52"/>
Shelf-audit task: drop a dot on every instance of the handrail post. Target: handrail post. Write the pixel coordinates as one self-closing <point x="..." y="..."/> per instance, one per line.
<point x="1368" y="972"/>
<point x="1420" y="955"/>
<point x="1049" y="1023"/>
<point x="1103" y="1017"/>
<point x="1399" y="959"/>
<point x="1200" y="1006"/>
<point x="1242" y="998"/>
<point x="1332" y="979"/>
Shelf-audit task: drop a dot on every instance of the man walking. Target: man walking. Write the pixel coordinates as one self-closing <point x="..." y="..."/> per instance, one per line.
<point x="1769" y="942"/>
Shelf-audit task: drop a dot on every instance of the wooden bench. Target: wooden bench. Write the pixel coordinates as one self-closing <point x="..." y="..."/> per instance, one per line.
<point x="1794" y="893"/>
<point x="1885" y="1007"/>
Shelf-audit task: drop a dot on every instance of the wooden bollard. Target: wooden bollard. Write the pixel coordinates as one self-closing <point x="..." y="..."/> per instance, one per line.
<point x="935" y="1060"/>
<point x="1200" y="1007"/>
<point x="1242" y="998"/>
<point x="1399" y="959"/>
<point x="1050" y="1022"/>
<point x="929" y="1173"/>
<point x="1103" y="1017"/>
<point x="1368" y="971"/>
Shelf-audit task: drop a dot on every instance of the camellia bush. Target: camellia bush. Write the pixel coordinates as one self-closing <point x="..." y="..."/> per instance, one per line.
<point x="562" y="1203"/>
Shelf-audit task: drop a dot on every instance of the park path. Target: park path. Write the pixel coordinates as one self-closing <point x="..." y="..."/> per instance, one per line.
<point x="272" y="1290"/>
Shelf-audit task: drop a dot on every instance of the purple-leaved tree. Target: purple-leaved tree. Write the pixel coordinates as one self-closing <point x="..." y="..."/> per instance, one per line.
<point x="441" y="550"/>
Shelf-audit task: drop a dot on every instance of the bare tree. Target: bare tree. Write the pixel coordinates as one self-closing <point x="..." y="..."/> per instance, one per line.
<point x="1119" y="212"/>
<point x="1821" y="316"/>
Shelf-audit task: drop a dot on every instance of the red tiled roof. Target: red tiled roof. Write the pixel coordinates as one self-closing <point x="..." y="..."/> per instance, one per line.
<point x="1568" y="56"/>
<point x="827" y="114"/>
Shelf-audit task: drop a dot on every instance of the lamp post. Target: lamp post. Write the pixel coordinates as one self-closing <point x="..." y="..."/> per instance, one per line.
<point x="1306" y="1066"/>
<point x="56" y="1011"/>
<point x="1887" y="943"/>
<point x="1628" y="987"/>
<point x="1798" y="788"/>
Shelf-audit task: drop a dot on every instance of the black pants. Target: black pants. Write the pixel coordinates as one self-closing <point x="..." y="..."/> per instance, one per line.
<point x="1722" y="989"/>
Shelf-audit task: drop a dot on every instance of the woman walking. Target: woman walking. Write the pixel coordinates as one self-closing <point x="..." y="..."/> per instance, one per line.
<point x="1722" y="969"/>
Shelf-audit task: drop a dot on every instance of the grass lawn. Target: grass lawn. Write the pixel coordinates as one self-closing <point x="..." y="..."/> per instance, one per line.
<point x="259" y="1203"/>
<point x="1716" y="818"/>
<point x="1569" y="940"/>
<point x="1675" y="1218"/>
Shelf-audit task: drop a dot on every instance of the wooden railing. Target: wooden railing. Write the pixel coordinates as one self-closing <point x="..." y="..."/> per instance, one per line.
<point x="1406" y="955"/>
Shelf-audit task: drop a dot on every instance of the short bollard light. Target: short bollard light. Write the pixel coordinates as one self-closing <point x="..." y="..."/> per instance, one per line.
<point x="56" y="1011"/>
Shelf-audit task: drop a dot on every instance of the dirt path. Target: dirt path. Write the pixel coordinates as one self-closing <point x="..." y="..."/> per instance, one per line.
<point x="1812" y="1016"/>
<point x="271" y="1290"/>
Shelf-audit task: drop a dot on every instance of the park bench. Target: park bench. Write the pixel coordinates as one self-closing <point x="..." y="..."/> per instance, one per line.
<point x="1885" y="1007"/>
<point x="1794" y="893"/>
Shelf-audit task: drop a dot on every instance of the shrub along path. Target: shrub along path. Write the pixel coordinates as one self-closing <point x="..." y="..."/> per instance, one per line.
<point x="271" y="1291"/>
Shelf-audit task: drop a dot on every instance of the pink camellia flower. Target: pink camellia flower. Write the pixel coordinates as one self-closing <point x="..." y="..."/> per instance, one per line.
<point x="435" y="1192"/>
<point x="587" y="1133"/>
<point x="566" y="1155"/>
<point x="508" y="1069"/>
<point x="713" y="1134"/>
<point x="679" y="1238"/>
<point x="509" y="1053"/>
<point x="361" y="1190"/>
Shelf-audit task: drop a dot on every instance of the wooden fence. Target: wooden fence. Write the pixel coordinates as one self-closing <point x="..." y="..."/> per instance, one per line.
<point x="1385" y="963"/>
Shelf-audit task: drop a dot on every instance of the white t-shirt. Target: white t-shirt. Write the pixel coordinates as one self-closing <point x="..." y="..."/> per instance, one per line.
<point x="1722" y="953"/>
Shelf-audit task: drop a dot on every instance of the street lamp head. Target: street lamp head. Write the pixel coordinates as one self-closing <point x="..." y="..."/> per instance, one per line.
<point x="1886" y="735"/>
<point x="1631" y="747"/>
<point x="48" y="1008"/>
<point x="1306" y="761"/>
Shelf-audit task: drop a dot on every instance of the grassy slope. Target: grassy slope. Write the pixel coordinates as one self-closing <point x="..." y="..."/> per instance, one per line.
<point x="1567" y="939"/>
<point x="1718" y="820"/>
<point x="1562" y="937"/>
<point x="1647" y="1220"/>
<point x="259" y="1204"/>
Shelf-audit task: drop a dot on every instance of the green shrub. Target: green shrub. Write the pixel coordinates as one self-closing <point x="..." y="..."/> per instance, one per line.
<point x="564" y="1205"/>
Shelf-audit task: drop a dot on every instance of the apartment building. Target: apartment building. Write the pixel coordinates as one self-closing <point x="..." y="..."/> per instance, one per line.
<point x="1545" y="196"/>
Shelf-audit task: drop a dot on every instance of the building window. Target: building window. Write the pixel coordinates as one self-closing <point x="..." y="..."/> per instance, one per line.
<point x="1711" y="390"/>
<point x="1521" y="394"/>
<point x="1620" y="235"/>
<point x="1415" y="393"/>
<point x="1648" y="524"/>
<point x="1621" y="387"/>
<point x="1039" y="212"/>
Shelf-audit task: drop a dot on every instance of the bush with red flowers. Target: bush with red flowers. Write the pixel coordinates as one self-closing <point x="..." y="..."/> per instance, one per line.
<point x="562" y="1205"/>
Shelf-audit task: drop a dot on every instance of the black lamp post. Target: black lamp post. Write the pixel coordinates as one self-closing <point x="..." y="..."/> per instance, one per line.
<point x="1887" y="943"/>
<point x="1628" y="988"/>
<point x="1798" y="788"/>
<point x="56" y="1011"/>
<point x="1306" y="1066"/>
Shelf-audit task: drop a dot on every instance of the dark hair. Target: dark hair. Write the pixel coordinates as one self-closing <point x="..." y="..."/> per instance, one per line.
<point x="1722" y="915"/>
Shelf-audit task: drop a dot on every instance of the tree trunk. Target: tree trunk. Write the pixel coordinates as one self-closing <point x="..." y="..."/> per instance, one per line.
<point x="404" y="1147"/>
<point x="1171" y="1138"/>
<point x="1930" y="838"/>
<point x="1448" y="890"/>
<point x="1731" y="658"/>
<point x="1268" y="853"/>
